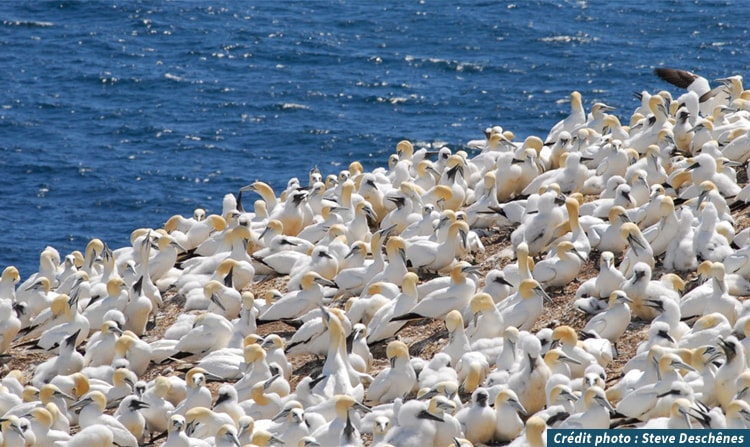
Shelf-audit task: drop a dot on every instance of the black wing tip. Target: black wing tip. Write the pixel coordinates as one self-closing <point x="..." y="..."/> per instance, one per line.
<point x="182" y="355"/>
<point x="409" y="316"/>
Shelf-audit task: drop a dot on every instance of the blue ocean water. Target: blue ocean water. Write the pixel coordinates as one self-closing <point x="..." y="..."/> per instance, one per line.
<point x="115" y="115"/>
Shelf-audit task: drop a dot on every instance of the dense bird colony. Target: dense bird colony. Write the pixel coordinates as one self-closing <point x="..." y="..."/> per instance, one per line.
<point x="590" y="279"/>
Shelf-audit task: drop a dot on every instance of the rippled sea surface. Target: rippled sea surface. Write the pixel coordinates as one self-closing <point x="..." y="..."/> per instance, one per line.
<point x="115" y="115"/>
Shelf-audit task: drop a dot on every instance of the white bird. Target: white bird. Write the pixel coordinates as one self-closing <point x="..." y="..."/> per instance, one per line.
<point x="49" y="260"/>
<point x="227" y="402"/>
<point x="596" y="413"/>
<point x="531" y="375"/>
<point x="496" y="285"/>
<point x="485" y="212"/>
<point x="190" y="233"/>
<point x="362" y="309"/>
<point x="116" y="297"/>
<point x="650" y="212"/>
<point x="340" y="430"/>
<point x="297" y="303"/>
<point x="40" y="420"/>
<point x="338" y="375"/>
<point x="515" y="273"/>
<point x="15" y="432"/>
<point x="320" y="261"/>
<point x="203" y="422"/>
<point x="612" y="323"/>
<point x="91" y="436"/>
<point x="380" y="327"/>
<point x="487" y="322"/>
<point x="226" y="436"/>
<point x="360" y="356"/>
<point x="209" y="333"/>
<point x="704" y="168"/>
<point x="274" y="240"/>
<point x="395" y="270"/>
<point x="161" y="265"/>
<point x="509" y="176"/>
<point x="313" y="337"/>
<point x="533" y="434"/>
<point x="9" y="327"/>
<point x="478" y="419"/>
<point x="130" y="352"/>
<point x="123" y="383"/>
<point x="707" y="242"/>
<point x="449" y="428"/>
<point x="640" y="289"/>
<point x="380" y="428"/>
<point x="560" y="400"/>
<point x="691" y="82"/>
<point x="565" y="337"/>
<point x="660" y="234"/>
<point x="159" y="409"/>
<point x="639" y="250"/>
<point x="437" y="255"/>
<point x="280" y="262"/>
<point x="67" y="362"/>
<point x="647" y="130"/>
<point x="576" y="118"/>
<point x="523" y="309"/>
<point x="607" y="236"/>
<point x="679" y="417"/>
<point x="352" y="281"/>
<point x="395" y="381"/>
<point x="714" y="298"/>
<point x="223" y="300"/>
<point x="738" y="415"/>
<point x="726" y="375"/>
<point x="705" y="331"/>
<point x="536" y="229"/>
<point x="415" y="426"/>
<point x="197" y="394"/>
<point x="600" y="208"/>
<point x="99" y="349"/>
<point x="437" y="370"/>
<point x="246" y="323"/>
<point x="570" y="177"/>
<point x="572" y="230"/>
<point x="92" y="407"/>
<point x="128" y="414"/>
<point x="255" y="369"/>
<point x="440" y="302"/>
<point x="262" y="402"/>
<point x="73" y="322"/>
<point x="680" y="254"/>
<point x="458" y="342"/>
<point x="508" y="356"/>
<point x="274" y="346"/>
<point x="560" y="269"/>
<point x="642" y="401"/>
<point x="559" y="363"/>
<point x="508" y="413"/>
<point x="607" y="281"/>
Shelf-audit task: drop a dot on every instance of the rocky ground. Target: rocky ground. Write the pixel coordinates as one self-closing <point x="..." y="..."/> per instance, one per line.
<point x="424" y="337"/>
